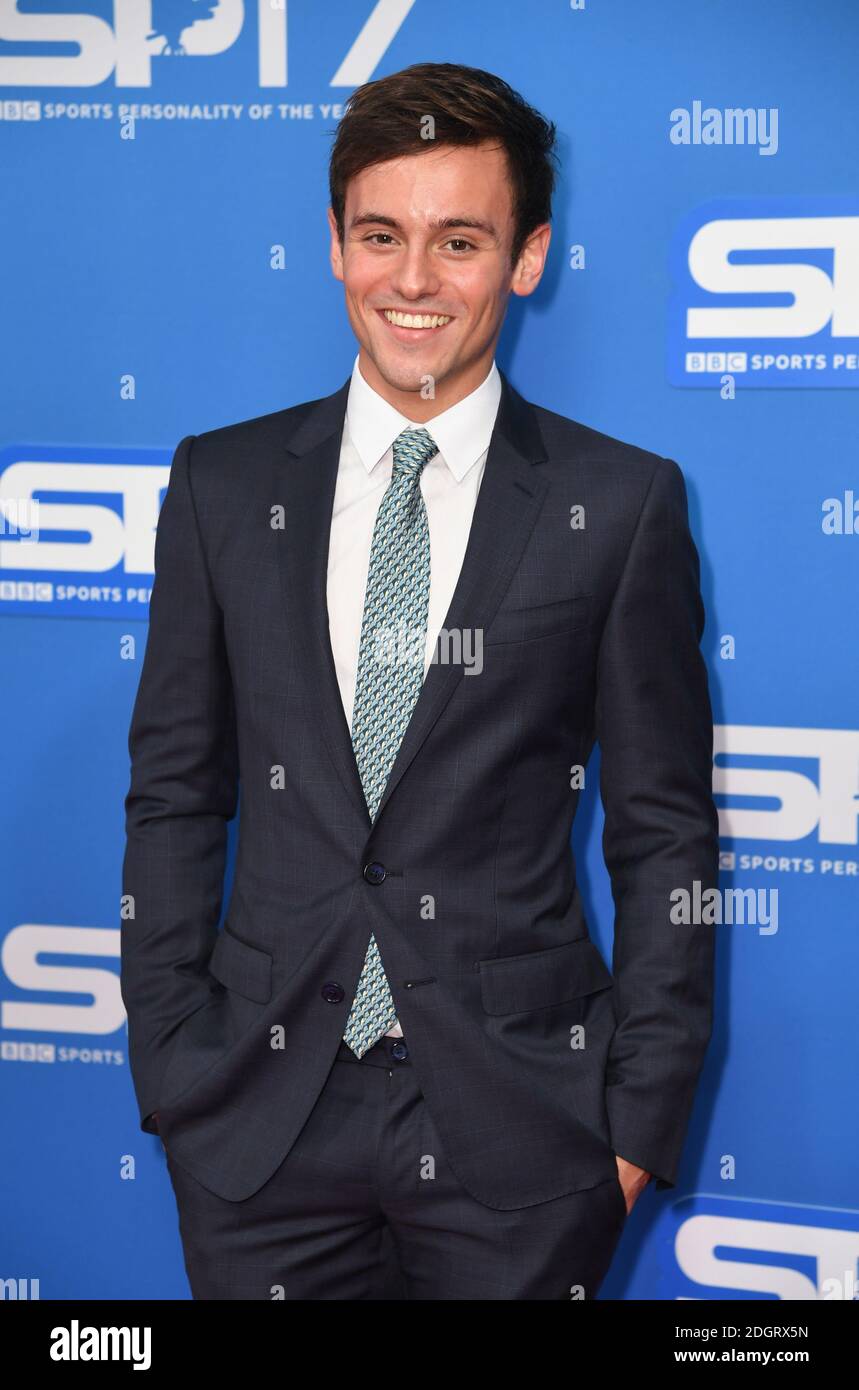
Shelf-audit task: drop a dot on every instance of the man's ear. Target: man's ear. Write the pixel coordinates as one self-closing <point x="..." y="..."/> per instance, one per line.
<point x="529" y="268"/>
<point x="336" y="248"/>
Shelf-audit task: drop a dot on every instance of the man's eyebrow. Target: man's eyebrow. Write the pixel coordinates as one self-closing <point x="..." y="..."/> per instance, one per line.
<point x="363" y="219"/>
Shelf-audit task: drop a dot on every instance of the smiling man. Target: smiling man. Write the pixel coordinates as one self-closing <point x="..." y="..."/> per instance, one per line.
<point x="402" y="1039"/>
<point x="424" y="246"/>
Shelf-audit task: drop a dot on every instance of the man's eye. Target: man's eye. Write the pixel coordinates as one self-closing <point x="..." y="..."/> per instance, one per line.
<point x="458" y="244"/>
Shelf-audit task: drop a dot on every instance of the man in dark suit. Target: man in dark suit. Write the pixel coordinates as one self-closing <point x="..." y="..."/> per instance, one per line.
<point x="398" y="618"/>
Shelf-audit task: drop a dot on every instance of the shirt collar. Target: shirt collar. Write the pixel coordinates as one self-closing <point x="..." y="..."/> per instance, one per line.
<point x="462" y="432"/>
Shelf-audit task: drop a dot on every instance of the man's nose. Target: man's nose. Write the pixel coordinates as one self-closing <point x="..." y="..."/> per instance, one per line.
<point x="415" y="275"/>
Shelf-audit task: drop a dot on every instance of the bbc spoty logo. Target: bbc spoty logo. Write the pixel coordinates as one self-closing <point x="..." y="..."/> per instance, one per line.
<point x="766" y="290"/>
<point x="77" y="529"/>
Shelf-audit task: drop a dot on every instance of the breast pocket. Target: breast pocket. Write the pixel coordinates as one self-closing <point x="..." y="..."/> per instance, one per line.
<point x="542" y="620"/>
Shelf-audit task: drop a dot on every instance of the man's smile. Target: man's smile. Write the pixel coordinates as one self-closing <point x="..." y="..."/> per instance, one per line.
<point x="410" y="327"/>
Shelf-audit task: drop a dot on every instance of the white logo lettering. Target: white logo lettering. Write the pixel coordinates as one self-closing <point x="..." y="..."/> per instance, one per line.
<point x="818" y="298"/>
<point x="112" y="538"/>
<point x="700" y="1237"/>
<point x="832" y="803"/>
<point x="130" y="46"/>
<point x="20" y="960"/>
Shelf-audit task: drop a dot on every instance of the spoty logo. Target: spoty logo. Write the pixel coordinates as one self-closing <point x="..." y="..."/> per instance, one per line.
<point x="767" y="291"/>
<point x="94" y="553"/>
<point x="147" y="30"/>
<point x="804" y="1252"/>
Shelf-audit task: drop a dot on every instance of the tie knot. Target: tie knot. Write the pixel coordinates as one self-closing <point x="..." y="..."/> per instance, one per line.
<point x="412" y="449"/>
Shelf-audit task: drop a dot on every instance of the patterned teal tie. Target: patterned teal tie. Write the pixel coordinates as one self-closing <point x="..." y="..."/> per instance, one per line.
<point x="390" y="676"/>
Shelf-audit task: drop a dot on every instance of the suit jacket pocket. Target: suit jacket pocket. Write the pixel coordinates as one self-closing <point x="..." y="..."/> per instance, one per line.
<point x="539" y="979"/>
<point x="543" y="620"/>
<point x="241" y="967"/>
<point x="211" y="1031"/>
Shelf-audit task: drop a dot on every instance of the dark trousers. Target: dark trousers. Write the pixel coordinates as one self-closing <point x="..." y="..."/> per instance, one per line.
<point x="367" y="1179"/>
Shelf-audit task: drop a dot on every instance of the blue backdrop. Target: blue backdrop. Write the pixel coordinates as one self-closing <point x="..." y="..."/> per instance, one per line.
<point x="702" y="301"/>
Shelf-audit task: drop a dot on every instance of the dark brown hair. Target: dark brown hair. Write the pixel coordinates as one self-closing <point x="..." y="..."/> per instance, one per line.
<point x="384" y="119"/>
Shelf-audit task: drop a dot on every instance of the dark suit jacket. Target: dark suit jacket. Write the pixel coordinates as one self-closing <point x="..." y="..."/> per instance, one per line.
<point x="590" y="633"/>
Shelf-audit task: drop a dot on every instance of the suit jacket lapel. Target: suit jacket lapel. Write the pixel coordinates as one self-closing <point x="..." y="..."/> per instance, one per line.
<point x="510" y="497"/>
<point x="508" y="503"/>
<point x="311" y="479"/>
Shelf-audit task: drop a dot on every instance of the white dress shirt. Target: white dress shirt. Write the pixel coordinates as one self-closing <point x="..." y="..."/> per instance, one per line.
<point x="450" y="482"/>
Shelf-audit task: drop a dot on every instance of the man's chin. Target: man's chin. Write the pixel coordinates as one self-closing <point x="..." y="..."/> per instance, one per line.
<point x="407" y="375"/>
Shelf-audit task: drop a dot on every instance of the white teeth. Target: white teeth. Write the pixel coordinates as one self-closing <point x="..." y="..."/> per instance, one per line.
<point x="416" y="320"/>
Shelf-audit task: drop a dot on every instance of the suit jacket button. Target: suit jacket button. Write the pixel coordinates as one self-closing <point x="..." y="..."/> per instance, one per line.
<point x="375" y="873"/>
<point x="399" y="1052"/>
<point x="333" y="993"/>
